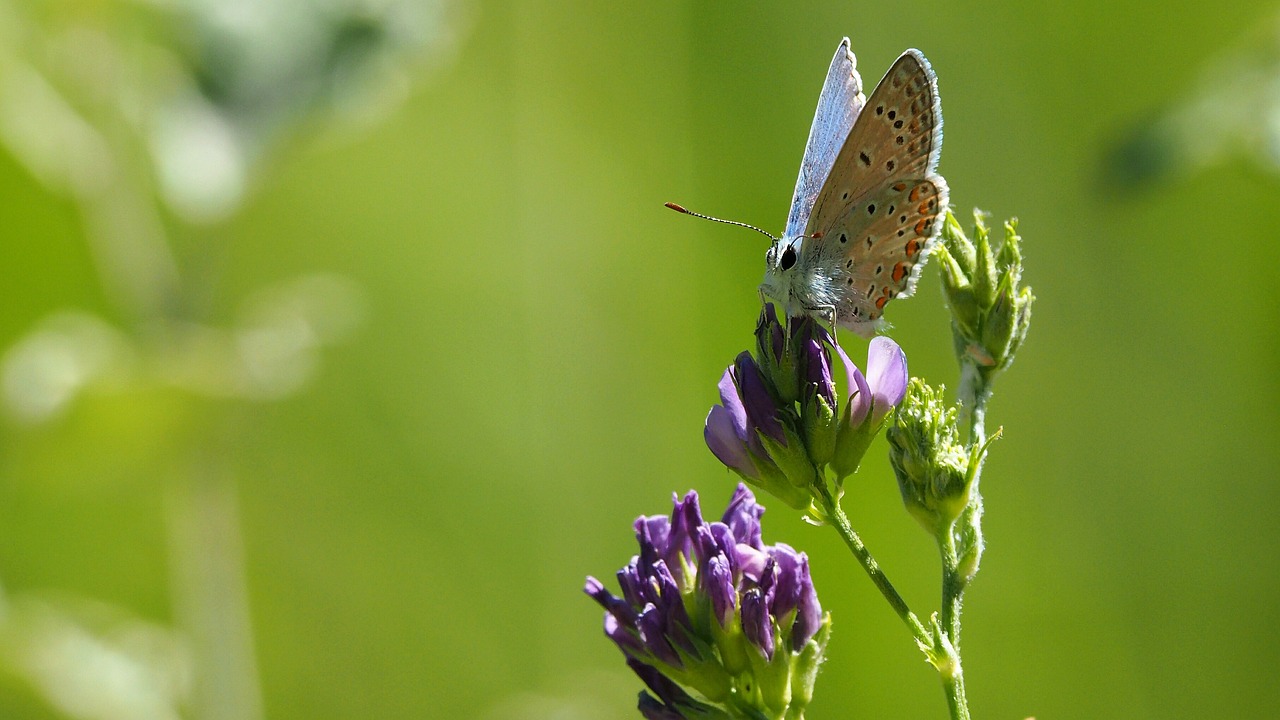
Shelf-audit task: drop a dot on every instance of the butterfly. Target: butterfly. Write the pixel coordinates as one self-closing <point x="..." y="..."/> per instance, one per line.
<point x="868" y="204"/>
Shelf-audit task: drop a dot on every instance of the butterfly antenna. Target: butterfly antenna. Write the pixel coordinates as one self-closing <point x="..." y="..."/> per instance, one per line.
<point x="682" y="209"/>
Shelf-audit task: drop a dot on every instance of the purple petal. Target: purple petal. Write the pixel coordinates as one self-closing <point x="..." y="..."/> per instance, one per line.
<point x="818" y="369"/>
<point x="652" y="709"/>
<point x="667" y="691"/>
<point x="721" y="434"/>
<point x="787" y="588"/>
<point x="886" y="374"/>
<point x="624" y="637"/>
<point x="751" y="562"/>
<point x="616" y="606"/>
<point x="653" y="633"/>
<point x="714" y="540"/>
<point x="718" y="585"/>
<point x="755" y="621"/>
<point x="736" y="413"/>
<point x="743" y="517"/>
<point x="759" y="404"/>
<point x="809" y="617"/>
<point x="652" y="532"/>
<point x="634" y="588"/>
<point x="686" y="518"/>
<point x="859" y="391"/>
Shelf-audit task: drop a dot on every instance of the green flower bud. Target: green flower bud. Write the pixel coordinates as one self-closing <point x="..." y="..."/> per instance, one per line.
<point x="959" y="291"/>
<point x="957" y="245"/>
<point x="984" y="273"/>
<point x="820" y="428"/>
<point x="969" y="543"/>
<point x="990" y="311"/>
<point x="931" y="464"/>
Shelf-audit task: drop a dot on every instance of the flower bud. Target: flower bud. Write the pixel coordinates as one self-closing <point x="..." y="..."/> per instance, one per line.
<point x="990" y="311"/>
<point x="931" y="464"/>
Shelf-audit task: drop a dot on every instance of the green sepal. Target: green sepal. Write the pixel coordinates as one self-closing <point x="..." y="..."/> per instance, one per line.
<point x="771" y="479"/>
<point x="959" y="291"/>
<point x="820" y="429"/>
<point x="984" y="271"/>
<point x="804" y="669"/>
<point x="792" y="458"/>
<point x="732" y="644"/>
<point x="852" y="443"/>
<point x="772" y="677"/>
<point x="958" y="246"/>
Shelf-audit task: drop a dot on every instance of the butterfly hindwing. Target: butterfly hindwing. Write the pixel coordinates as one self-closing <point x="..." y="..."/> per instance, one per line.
<point x="878" y="253"/>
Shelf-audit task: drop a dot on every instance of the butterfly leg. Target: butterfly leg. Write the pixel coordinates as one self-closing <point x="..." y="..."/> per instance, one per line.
<point x="827" y="313"/>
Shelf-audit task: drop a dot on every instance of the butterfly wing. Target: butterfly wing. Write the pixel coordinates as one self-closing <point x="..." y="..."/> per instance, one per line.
<point x="838" y="108"/>
<point x="878" y="213"/>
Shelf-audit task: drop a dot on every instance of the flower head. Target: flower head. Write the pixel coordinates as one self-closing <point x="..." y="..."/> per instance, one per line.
<point x="780" y="424"/>
<point x="708" y="610"/>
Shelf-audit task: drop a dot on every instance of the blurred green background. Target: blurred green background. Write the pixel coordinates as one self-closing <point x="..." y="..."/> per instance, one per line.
<point x="343" y="339"/>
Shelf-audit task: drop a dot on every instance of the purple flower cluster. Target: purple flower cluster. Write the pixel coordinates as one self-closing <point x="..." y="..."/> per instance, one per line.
<point x="779" y="422"/>
<point x="710" y="607"/>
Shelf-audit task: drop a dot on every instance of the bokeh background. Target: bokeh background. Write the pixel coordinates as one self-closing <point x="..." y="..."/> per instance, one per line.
<point x="342" y="339"/>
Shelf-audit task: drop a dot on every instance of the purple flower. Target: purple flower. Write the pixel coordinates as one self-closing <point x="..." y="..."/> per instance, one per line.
<point x="884" y="385"/>
<point x="779" y="423"/>
<point x="700" y="596"/>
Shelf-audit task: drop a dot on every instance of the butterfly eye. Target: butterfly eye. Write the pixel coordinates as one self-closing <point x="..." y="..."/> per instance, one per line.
<point x="788" y="258"/>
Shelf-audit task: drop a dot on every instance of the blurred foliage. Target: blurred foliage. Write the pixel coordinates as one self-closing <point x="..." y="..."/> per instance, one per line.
<point x="203" y="486"/>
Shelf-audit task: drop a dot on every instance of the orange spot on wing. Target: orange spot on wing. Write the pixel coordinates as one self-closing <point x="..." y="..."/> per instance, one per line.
<point x="915" y="193"/>
<point x="920" y="226"/>
<point x="880" y="301"/>
<point x="913" y="247"/>
<point x="900" y="271"/>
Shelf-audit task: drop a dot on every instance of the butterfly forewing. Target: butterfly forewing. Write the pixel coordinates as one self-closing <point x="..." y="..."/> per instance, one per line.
<point x="838" y="108"/>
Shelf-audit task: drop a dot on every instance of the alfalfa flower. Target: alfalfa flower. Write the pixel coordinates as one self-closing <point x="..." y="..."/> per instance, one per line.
<point x="780" y="423"/>
<point x="715" y="622"/>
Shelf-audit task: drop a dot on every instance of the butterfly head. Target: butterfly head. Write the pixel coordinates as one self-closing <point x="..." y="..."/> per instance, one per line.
<point x="783" y="280"/>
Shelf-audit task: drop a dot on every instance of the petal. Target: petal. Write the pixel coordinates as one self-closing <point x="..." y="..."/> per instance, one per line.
<point x="809" y="617"/>
<point x="761" y="410"/>
<point x="652" y="532"/>
<point x="686" y="518"/>
<point x="859" y="391"/>
<point x="625" y="638"/>
<point x="756" y="624"/>
<point x="818" y="370"/>
<point x="653" y="629"/>
<point x="718" y="584"/>
<point x="751" y="561"/>
<point x="736" y="413"/>
<point x="886" y="374"/>
<point x="722" y="438"/>
<point x="743" y="517"/>
<point x="770" y="335"/>
<point x="787" y="589"/>
<point x="666" y="689"/>
<point x="616" y="606"/>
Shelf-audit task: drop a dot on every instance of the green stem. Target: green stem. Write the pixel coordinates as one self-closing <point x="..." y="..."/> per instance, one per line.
<point x="952" y="671"/>
<point x="974" y="391"/>
<point x="869" y="564"/>
<point x="953" y="684"/>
